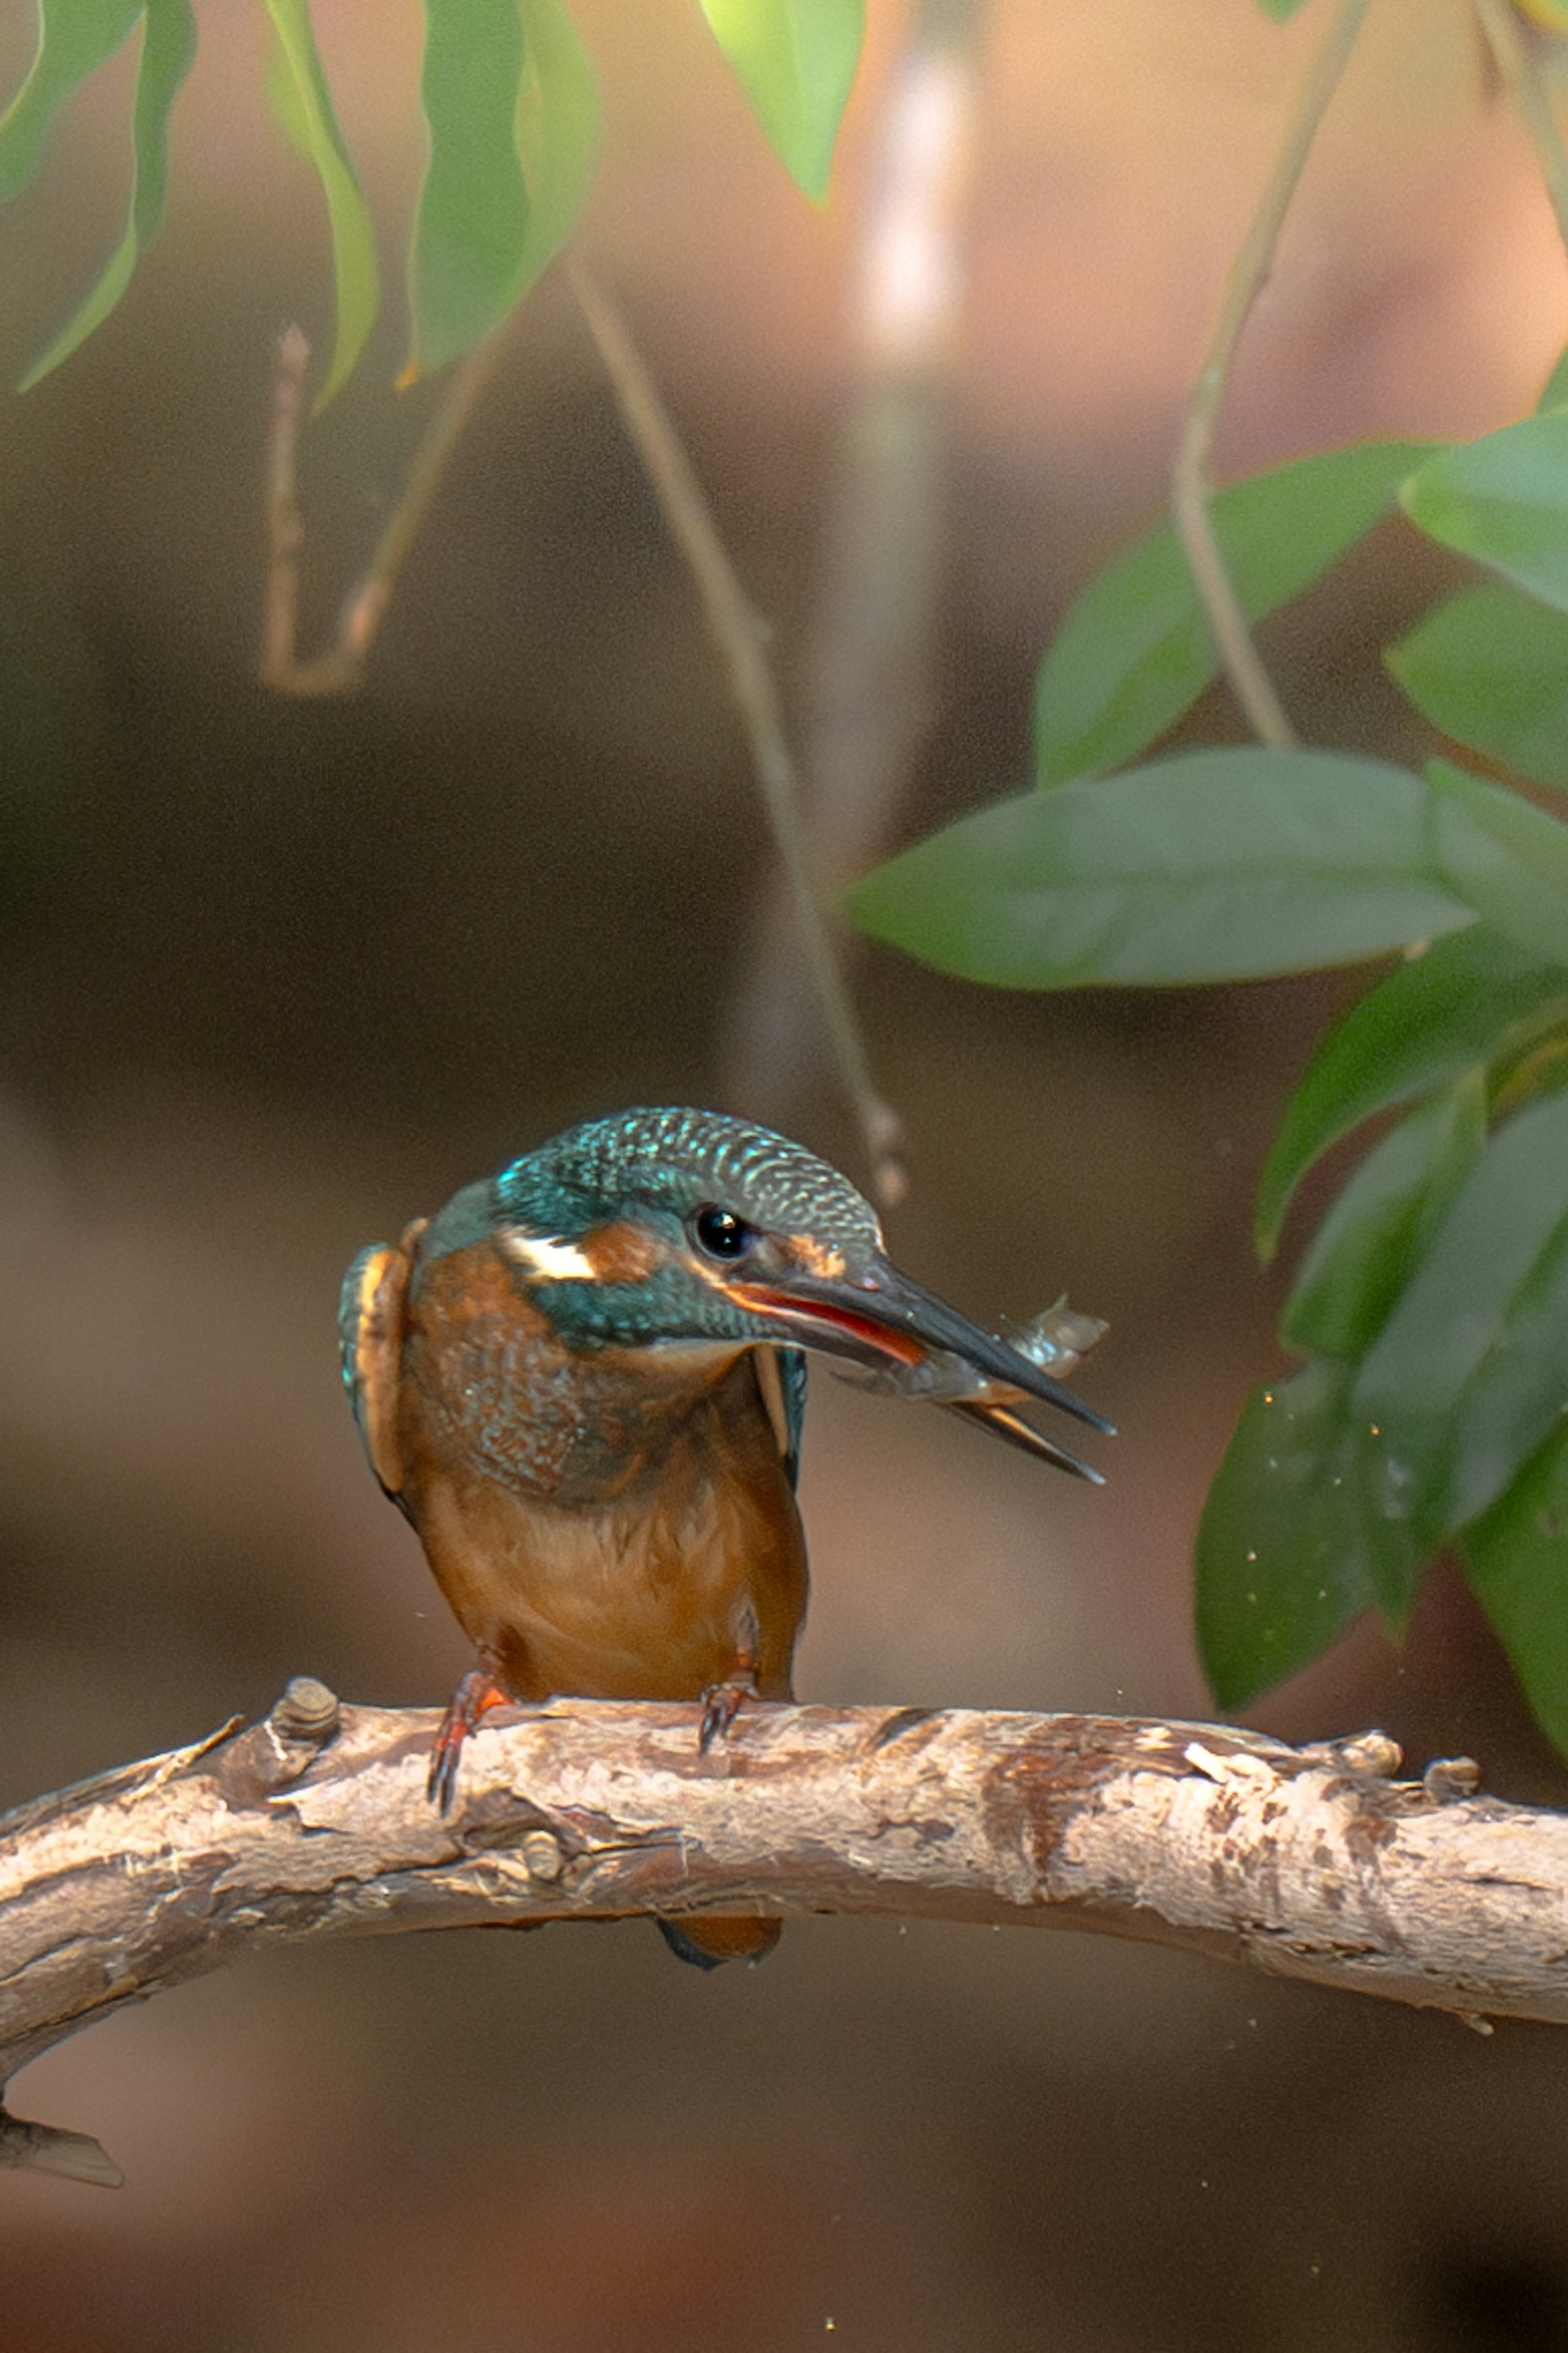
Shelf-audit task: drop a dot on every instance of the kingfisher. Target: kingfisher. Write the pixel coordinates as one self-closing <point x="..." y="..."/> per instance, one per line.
<point x="583" y="1382"/>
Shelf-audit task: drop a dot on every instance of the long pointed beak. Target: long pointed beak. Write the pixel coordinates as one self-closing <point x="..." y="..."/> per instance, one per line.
<point x="919" y="1347"/>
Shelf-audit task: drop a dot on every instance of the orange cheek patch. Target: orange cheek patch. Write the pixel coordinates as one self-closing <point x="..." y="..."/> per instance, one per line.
<point x="816" y="1258"/>
<point x="622" y="1252"/>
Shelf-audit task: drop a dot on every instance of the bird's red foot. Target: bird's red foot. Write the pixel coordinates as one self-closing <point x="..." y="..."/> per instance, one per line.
<point x="474" y="1696"/>
<point x="721" y="1700"/>
<point x="720" y="1706"/>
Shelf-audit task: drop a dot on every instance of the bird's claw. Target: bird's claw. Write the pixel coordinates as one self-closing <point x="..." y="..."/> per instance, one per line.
<point x="720" y="1706"/>
<point x="474" y="1696"/>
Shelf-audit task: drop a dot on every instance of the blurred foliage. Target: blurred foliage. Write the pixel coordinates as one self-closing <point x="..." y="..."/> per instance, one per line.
<point x="511" y="118"/>
<point x="1431" y="1307"/>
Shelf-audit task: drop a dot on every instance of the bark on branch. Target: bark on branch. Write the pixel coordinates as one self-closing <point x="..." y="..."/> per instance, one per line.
<point x="1309" y="1862"/>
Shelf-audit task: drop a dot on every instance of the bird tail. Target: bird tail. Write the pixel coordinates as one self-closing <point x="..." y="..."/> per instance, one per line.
<point x="708" y="1944"/>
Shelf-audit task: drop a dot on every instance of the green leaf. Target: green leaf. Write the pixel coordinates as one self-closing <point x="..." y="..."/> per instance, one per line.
<point x="1472" y="996"/>
<point x="1516" y="1557"/>
<point x="1470" y="1371"/>
<point x="1491" y="669"/>
<point x="75" y="37"/>
<point x="795" y="60"/>
<point x="1134" y="649"/>
<point x="1213" y="866"/>
<point x="557" y="133"/>
<point x="473" y="207"/>
<point x="168" y="52"/>
<point x="1504" y="501"/>
<point x="300" y="86"/>
<point x="1505" y="858"/>
<point x="512" y="115"/>
<point x="1290" y="1549"/>
<point x="1280" y="10"/>
<point x="1362" y="1255"/>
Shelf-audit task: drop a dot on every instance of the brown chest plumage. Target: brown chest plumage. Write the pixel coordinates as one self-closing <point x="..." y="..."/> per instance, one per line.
<point x="613" y="1525"/>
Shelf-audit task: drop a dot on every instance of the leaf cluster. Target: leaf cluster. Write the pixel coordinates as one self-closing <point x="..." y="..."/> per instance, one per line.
<point x="512" y="118"/>
<point x="1431" y="1306"/>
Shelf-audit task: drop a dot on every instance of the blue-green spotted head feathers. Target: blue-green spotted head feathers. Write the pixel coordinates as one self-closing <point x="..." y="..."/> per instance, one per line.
<point x="633" y="1230"/>
<point x="669" y="1165"/>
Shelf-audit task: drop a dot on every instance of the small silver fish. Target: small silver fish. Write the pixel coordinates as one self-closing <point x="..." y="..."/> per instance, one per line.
<point x="1053" y="1342"/>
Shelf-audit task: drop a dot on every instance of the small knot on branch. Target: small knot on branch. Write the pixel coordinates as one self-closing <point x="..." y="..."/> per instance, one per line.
<point x="1449" y="1779"/>
<point x="301" y="1724"/>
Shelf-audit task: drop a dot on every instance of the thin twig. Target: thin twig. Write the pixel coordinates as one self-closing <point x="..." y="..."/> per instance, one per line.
<point x="867" y="698"/>
<point x="1515" y="55"/>
<point x="284" y="525"/>
<point x="1308" y="1862"/>
<point x="1192" y="486"/>
<point x="340" y="669"/>
<point x="740" y="633"/>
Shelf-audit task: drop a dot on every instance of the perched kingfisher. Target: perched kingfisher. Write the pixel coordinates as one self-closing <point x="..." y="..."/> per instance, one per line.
<point x="583" y="1382"/>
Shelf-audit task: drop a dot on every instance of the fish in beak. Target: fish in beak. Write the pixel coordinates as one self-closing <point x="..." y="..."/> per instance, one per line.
<point x="889" y="1334"/>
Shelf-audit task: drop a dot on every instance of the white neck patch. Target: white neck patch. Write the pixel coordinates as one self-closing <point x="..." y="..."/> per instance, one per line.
<point x="549" y="1258"/>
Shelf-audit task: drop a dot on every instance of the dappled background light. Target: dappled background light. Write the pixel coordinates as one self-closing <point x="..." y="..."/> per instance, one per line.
<point x="275" y="976"/>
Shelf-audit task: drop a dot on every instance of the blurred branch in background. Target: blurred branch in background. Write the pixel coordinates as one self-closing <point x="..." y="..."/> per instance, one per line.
<point x="736" y="628"/>
<point x="1308" y="1863"/>
<point x="868" y="692"/>
<point x="1192" y="486"/>
<point x="740" y="634"/>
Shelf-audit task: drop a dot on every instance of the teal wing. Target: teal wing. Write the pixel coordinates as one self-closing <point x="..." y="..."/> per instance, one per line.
<point x="350" y="1318"/>
<point x="369" y="1341"/>
<point x="791" y="1381"/>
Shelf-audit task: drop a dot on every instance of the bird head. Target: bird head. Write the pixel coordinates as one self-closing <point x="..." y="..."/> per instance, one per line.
<point x="666" y="1229"/>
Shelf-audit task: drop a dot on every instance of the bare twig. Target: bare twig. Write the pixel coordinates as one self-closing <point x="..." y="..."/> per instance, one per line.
<point x="868" y="699"/>
<point x="1191" y="483"/>
<point x="341" y="670"/>
<point x="1307" y="1862"/>
<point x="1515" y="53"/>
<point x="740" y="634"/>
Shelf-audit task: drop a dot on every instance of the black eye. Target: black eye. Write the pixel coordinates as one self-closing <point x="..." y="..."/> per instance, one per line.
<point x="720" y="1233"/>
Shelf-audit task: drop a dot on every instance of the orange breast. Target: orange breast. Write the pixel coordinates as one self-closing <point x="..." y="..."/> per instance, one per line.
<point x="640" y="1573"/>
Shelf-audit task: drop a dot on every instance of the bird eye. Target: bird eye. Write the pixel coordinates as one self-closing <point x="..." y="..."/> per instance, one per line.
<point x="720" y="1233"/>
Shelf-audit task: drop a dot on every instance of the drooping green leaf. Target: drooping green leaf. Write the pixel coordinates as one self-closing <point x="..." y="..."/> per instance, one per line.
<point x="299" y="84"/>
<point x="1470" y="1371"/>
<point x="1134" y="649"/>
<point x="1472" y="996"/>
<point x="1280" y="10"/>
<point x="1213" y="866"/>
<point x="168" y="51"/>
<point x="557" y="133"/>
<point x="1374" y="1232"/>
<point x="473" y="207"/>
<point x="1491" y="669"/>
<point x="795" y="60"/>
<point x="1504" y="501"/>
<point x="512" y="115"/>
<point x="1516" y="1557"/>
<point x="1290" y="1549"/>
<point x="75" y="37"/>
<point x="1505" y="858"/>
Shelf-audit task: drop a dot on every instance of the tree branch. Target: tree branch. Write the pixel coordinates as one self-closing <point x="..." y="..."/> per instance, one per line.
<point x="1308" y="1862"/>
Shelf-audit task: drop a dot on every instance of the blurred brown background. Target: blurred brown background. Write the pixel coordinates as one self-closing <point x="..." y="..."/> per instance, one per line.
<point x="276" y="976"/>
